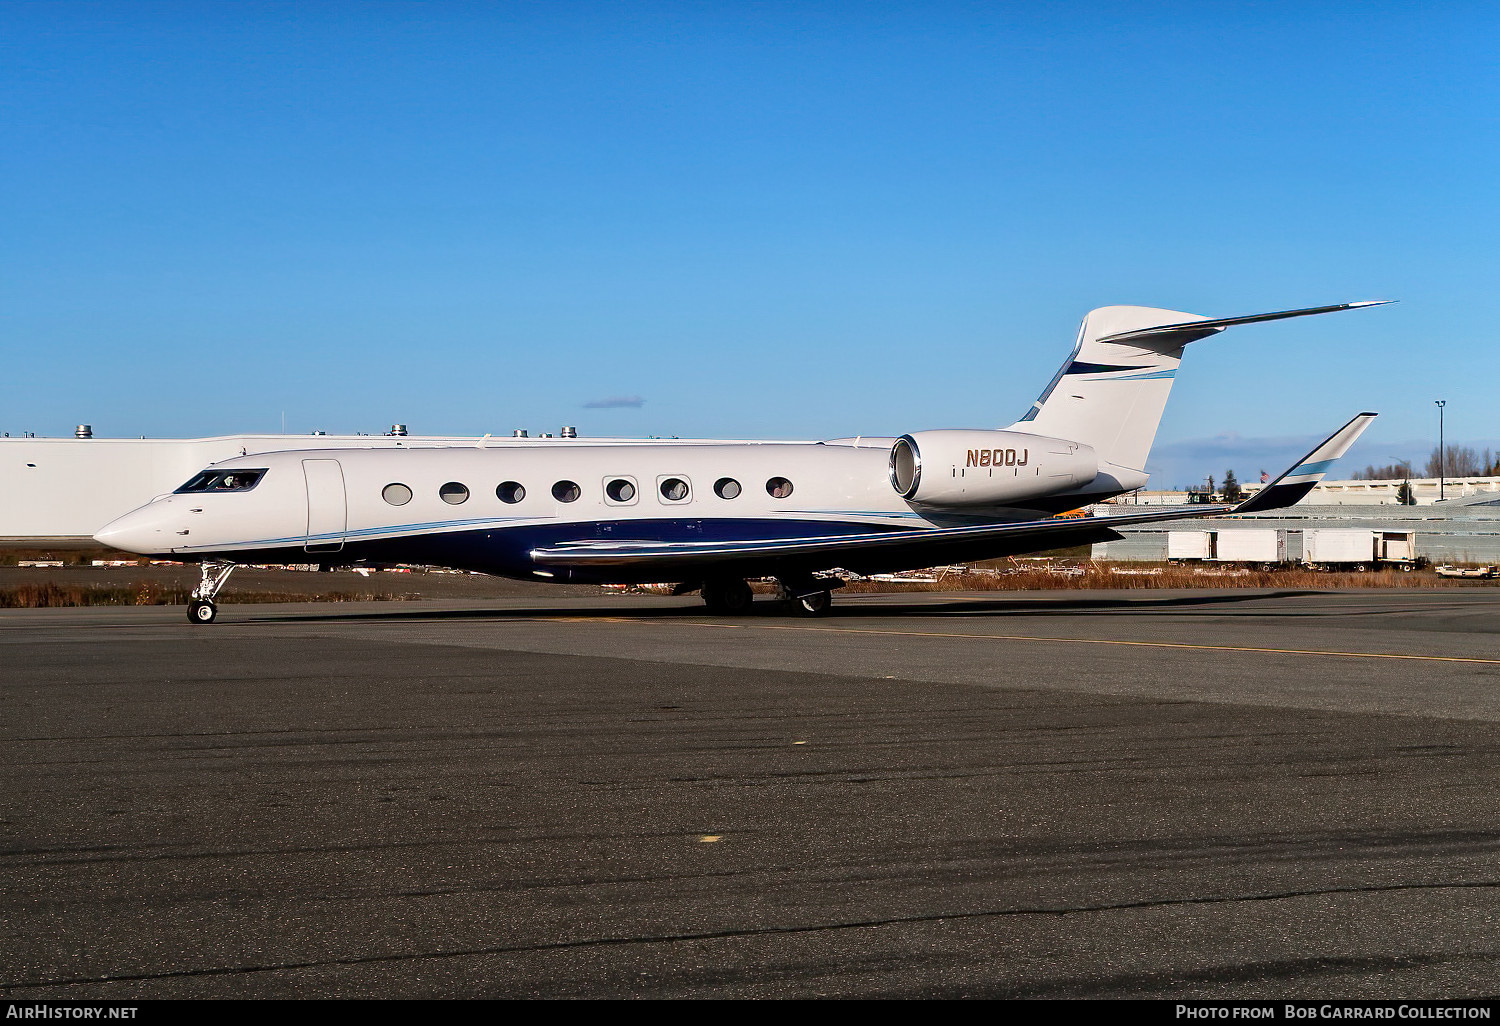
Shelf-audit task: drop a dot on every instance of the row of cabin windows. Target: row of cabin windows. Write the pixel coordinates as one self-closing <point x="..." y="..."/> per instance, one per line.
<point x="619" y="491"/>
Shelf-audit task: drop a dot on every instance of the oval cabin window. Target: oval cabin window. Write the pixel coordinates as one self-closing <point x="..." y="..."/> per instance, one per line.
<point x="566" y="491"/>
<point x="510" y="491"/>
<point x="778" y="487"/>
<point x="396" y="494"/>
<point x="454" y="493"/>
<point x="727" y="488"/>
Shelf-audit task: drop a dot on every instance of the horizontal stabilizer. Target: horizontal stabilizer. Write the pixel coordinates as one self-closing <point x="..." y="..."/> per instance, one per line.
<point x="1291" y="486"/>
<point x="1199" y="329"/>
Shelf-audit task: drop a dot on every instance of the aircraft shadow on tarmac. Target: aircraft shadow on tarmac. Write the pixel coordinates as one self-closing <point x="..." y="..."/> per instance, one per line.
<point x="770" y="609"/>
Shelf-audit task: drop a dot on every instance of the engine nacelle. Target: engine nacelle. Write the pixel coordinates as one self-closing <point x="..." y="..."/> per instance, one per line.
<point x="987" y="468"/>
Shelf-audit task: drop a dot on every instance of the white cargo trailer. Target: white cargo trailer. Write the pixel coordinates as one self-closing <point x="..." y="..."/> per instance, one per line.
<point x="1336" y="546"/>
<point x="1250" y="545"/>
<point x="1231" y="545"/>
<point x="1189" y="544"/>
<point x="1346" y="547"/>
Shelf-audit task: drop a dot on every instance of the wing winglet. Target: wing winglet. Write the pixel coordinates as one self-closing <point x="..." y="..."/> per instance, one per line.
<point x="1294" y="483"/>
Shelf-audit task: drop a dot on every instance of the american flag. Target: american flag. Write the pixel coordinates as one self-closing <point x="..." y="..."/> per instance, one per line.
<point x="1264" y="477"/>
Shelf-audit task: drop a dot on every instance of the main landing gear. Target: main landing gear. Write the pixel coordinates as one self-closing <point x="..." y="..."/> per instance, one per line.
<point x="805" y="596"/>
<point x="727" y="598"/>
<point x="816" y="603"/>
<point x="809" y="596"/>
<point x="201" y="606"/>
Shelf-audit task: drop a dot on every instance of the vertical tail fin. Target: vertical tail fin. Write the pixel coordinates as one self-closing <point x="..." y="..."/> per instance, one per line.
<point x="1110" y="393"/>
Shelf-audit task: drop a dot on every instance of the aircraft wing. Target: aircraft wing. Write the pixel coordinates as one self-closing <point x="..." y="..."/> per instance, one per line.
<point x="847" y="549"/>
<point x="927" y="547"/>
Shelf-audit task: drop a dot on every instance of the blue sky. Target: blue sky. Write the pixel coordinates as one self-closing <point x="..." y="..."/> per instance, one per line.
<point x="753" y="219"/>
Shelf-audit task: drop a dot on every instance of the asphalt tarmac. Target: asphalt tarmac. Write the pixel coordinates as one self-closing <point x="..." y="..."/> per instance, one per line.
<point x="1214" y="794"/>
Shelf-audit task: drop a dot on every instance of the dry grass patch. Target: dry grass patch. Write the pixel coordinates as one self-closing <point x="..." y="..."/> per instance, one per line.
<point x="47" y="595"/>
<point x="1138" y="576"/>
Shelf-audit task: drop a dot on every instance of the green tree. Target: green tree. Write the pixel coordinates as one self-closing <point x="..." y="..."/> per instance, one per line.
<point x="1232" y="491"/>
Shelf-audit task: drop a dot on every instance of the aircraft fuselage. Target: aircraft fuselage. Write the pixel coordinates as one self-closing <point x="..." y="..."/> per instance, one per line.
<point x="488" y="507"/>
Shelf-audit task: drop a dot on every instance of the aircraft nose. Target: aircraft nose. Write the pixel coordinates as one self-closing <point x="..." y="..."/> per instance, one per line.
<point x="143" y="531"/>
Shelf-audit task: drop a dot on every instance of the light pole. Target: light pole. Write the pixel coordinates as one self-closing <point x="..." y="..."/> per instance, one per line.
<point x="1442" y="453"/>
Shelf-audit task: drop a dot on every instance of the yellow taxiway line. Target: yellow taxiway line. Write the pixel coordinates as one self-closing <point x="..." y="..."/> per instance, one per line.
<point x="1050" y="641"/>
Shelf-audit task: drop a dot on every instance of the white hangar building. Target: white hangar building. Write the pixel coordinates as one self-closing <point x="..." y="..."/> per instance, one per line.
<point x="59" y="491"/>
<point x="1463" y="529"/>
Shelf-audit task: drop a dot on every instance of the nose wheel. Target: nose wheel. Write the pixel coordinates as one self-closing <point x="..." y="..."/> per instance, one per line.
<point x="201" y="606"/>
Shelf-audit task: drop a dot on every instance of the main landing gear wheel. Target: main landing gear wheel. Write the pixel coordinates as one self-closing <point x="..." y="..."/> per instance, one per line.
<point x="730" y="598"/>
<point x="816" y="604"/>
<point x="202" y="611"/>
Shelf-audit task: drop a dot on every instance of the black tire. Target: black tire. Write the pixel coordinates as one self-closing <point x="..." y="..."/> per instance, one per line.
<point x="728" y="598"/>
<point x="737" y="598"/>
<point x="202" y="611"/>
<point x="816" y="604"/>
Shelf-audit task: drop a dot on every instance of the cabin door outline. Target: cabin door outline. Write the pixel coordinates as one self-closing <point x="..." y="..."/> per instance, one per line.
<point x="327" y="505"/>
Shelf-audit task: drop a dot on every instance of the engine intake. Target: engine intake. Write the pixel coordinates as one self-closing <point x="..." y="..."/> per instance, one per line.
<point x="987" y="468"/>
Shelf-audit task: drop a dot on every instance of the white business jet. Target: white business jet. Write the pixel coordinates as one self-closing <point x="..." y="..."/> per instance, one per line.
<point x="709" y="515"/>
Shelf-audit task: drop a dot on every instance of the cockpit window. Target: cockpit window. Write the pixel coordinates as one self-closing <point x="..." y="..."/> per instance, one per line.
<point x="223" y="481"/>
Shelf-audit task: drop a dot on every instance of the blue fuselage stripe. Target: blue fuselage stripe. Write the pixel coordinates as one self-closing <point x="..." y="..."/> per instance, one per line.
<point x="505" y="548"/>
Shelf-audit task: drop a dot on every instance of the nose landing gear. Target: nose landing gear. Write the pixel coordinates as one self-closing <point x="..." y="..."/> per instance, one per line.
<point x="201" y="606"/>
